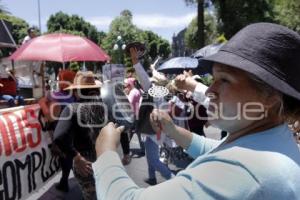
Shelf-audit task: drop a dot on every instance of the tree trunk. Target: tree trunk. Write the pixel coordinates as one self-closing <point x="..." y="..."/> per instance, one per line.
<point x="200" y="21"/>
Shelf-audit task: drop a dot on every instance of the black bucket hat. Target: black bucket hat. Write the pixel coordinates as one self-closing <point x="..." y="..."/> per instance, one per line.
<point x="269" y="51"/>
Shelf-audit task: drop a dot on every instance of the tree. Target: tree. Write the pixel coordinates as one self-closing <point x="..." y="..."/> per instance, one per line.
<point x="287" y="13"/>
<point x="233" y="15"/>
<point x="19" y="30"/>
<point x="61" y="22"/>
<point x="200" y="21"/>
<point x="210" y="31"/>
<point x="123" y="26"/>
<point x="156" y="45"/>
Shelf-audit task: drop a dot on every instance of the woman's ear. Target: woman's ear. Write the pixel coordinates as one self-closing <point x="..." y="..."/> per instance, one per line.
<point x="273" y="103"/>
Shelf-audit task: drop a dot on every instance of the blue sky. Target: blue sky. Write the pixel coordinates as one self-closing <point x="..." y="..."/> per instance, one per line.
<point x="163" y="17"/>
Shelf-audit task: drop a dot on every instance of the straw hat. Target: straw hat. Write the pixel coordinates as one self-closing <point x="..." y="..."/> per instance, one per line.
<point x="84" y="80"/>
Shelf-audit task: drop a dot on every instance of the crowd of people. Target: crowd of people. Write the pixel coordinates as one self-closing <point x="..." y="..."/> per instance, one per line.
<point x="253" y="98"/>
<point x="256" y="71"/>
<point x="74" y="123"/>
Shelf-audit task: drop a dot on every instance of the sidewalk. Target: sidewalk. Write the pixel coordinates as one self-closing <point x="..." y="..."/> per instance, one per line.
<point x="137" y="170"/>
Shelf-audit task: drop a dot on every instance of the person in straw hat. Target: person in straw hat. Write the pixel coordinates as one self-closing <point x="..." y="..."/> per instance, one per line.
<point x="255" y="95"/>
<point x="78" y="127"/>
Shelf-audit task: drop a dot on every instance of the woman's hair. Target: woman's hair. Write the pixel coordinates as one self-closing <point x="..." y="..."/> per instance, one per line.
<point x="89" y="92"/>
<point x="291" y="112"/>
<point x="288" y="106"/>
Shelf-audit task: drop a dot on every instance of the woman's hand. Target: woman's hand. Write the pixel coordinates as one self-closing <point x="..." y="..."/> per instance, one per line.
<point x="161" y="121"/>
<point x="134" y="55"/>
<point x="82" y="166"/>
<point x="185" y="82"/>
<point x="109" y="138"/>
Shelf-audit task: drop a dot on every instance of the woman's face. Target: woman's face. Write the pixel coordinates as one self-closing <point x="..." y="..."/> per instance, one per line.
<point x="127" y="88"/>
<point x="234" y="101"/>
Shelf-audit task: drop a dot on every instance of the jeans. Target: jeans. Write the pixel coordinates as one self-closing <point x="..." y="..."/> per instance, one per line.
<point x="11" y="99"/>
<point x="154" y="164"/>
<point x="125" y="143"/>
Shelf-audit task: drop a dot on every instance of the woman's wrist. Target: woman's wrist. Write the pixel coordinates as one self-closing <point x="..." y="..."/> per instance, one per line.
<point x="172" y="131"/>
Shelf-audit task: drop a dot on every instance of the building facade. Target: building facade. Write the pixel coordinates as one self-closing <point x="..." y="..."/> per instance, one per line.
<point x="178" y="45"/>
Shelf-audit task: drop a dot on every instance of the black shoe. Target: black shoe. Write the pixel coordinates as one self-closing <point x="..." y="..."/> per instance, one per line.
<point x="142" y="153"/>
<point x="62" y="187"/>
<point x="151" y="181"/>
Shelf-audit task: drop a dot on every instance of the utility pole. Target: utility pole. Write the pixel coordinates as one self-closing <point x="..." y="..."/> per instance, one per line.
<point x="39" y="13"/>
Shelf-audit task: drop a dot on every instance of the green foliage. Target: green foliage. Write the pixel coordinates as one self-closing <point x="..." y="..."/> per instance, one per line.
<point x="123" y="26"/>
<point x="61" y="22"/>
<point x="74" y="66"/>
<point x="221" y="39"/>
<point x="287" y="13"/>
<point x="233" y="15"/>
<point x="156" y="46"/>
<point x="101" y="36"/>
<point x="207" y="79"/>
<point x="74" y="32"/>
<point x="19" y="29"/>
<point x="164" y="49"/>
<point x="210" y="31"/>
<point x="191" y="35"/>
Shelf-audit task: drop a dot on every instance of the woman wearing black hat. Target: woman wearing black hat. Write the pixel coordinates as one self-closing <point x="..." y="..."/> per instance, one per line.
<point x="254" y="96"/>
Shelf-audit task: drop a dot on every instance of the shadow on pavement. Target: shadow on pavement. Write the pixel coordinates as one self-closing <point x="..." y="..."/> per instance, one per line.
<point x="73" y="194"/>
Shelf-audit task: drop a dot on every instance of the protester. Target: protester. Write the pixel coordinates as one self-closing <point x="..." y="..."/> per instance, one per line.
<point x="30" y="35"/>
<point x="78" y="127"/>
<point x="51" y="106"/>
<point x="258" y="68"/>
<point x="134" y="96"/>
<point x="130" y="73"/>
<point x="9" y="90"/>
<point x="65" y="78"/>
<point x="143" y="125"/>
<point x="125" y="144"/>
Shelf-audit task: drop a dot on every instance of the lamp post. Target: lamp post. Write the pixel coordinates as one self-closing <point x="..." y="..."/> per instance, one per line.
<point x="120" y="45"/>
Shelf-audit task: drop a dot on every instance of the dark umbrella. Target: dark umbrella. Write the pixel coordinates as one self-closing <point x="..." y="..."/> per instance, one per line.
<point x="204" y="66"/>
<point x="177" y="65"/>
<point x="195" y="63"/>
<point x="207" y="50"/>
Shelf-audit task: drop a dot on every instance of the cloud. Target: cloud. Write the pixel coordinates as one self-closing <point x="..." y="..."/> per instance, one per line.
<point x="162" y="21"/>
<point x="144" y="21"/>
<point x="164" y="25"/>
<point x="150" y="21"/>
<point x="101" y="22"/>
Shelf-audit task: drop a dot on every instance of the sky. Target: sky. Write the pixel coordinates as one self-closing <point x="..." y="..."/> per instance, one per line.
<point x="164" y="17"/>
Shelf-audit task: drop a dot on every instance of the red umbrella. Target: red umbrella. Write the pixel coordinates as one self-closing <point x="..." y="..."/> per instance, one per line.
<point x="60" y="47"/>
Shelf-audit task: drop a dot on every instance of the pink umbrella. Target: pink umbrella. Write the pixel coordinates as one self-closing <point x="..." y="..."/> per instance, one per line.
<point x="60" y="47"/>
